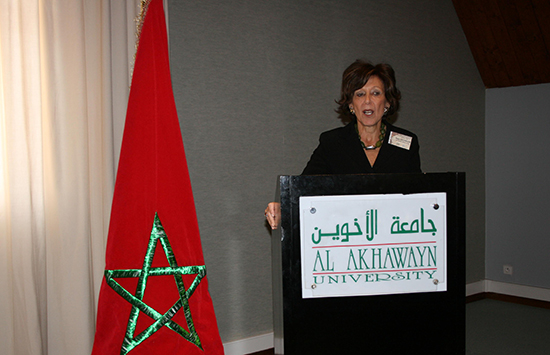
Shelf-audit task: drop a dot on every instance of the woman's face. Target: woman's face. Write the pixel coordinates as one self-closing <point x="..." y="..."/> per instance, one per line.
<point x="369" y="102"/>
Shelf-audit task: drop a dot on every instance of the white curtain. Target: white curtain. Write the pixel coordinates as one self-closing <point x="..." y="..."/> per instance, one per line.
<point x="63" y="92"/>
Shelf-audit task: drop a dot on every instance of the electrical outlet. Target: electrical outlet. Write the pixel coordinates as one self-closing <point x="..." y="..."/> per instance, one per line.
<point x="507" y="270"/>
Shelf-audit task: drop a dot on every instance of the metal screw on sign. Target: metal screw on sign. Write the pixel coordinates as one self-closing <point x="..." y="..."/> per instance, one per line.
<point x="314" y="286"/>
<point x="312" y="210"/>
<point x="436" y="281"/>
<point x="435" y="206"/>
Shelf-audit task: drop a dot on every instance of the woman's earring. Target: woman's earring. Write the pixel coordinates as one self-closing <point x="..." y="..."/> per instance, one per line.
<point x="352" y="110"/>
<point x="385" y="110"/>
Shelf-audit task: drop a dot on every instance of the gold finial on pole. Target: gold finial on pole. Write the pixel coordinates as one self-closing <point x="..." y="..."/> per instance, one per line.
<point x="140" y="18"/>
<point x="143" y="6"/>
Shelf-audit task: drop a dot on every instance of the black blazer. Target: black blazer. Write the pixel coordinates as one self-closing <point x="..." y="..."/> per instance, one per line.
<point x="340" y="152"/>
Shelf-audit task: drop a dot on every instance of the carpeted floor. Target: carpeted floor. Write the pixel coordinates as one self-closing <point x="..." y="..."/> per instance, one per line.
<point x="503" y="326"/>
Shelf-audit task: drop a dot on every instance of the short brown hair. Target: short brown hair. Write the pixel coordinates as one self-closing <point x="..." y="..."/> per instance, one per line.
<point x="356" y="76"/>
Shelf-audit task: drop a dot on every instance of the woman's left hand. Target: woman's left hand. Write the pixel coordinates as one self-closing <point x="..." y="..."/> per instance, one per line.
<point x="273" y="214"/>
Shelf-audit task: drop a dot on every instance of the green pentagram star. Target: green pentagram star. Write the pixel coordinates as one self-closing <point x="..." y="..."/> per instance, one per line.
<point x="161" y="320"/>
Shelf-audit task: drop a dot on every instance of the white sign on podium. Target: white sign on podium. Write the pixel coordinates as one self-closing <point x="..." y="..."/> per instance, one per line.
<point x="359" y="245"/>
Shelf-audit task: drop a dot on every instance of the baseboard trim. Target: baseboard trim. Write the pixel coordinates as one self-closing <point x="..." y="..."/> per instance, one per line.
<point x="503" y="288"/>
<point x="476" y="290"/>
<point x="249" y="345"/>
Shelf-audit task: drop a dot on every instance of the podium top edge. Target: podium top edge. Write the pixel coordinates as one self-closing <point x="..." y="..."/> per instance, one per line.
<point x="382" y="174"/>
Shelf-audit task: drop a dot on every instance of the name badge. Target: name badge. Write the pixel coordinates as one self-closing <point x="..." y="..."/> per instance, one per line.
<point x="400" y="140"/>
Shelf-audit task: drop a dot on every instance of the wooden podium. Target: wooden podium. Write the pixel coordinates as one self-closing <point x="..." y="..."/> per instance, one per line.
<point x="389" y="323"/>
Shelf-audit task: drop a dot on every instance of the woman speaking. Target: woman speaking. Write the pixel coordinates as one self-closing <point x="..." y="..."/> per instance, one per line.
<point x="368" y="143"/>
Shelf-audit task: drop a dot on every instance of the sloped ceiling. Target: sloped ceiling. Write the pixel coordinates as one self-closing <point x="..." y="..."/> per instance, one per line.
<point x="509" y="40"/>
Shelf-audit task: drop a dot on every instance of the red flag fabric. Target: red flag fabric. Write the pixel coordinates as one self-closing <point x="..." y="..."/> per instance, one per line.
<point x="154" y="298"/>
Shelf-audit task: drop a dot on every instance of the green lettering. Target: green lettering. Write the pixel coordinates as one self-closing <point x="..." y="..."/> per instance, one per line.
<point x="317" y="282"/>
<point x="421" y="255"/>
<point x="318" y="258"/>
<point x="412" y="257"/>
<point x="362" y="259"/>
<point x="328" y="261"/>
<point x="398" y="276"/>
<point x="350" y="258"/>
<point x="431" y="275"/>
<point x="399" y="261"/>
<point x="431" y="256"/>
<point x="388" y="256"/>
<point x="378" y="277"/>
<point x="379" y="255"/>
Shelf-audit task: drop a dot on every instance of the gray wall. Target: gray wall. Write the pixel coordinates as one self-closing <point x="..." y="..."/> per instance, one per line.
<point x="255" y="83"/>
<point x="518" y="193"/>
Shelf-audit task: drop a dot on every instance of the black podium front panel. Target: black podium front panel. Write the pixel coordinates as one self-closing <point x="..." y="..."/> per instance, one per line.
<point x="429" y="323"/>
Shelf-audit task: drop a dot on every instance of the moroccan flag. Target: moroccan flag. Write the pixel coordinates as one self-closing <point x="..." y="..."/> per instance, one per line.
<point x="154" y="297"/>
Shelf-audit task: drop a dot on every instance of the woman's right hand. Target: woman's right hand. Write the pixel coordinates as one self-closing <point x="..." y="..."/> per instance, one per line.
<point x="273" y="214"/>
